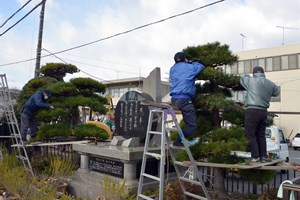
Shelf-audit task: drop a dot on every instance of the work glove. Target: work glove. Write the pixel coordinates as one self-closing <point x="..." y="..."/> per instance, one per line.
<point x="51" y="107"/>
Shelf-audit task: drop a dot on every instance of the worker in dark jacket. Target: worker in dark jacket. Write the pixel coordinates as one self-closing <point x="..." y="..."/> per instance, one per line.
<point x="29" y="123"/>
<point x="257" y="101"/>
<point x="182" y="91"/>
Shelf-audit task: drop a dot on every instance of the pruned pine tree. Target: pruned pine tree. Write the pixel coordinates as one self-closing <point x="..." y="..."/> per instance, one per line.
<point x="66" y="98"/>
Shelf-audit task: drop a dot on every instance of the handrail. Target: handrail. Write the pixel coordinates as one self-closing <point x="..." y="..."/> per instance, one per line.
<point x="288" y="189"/>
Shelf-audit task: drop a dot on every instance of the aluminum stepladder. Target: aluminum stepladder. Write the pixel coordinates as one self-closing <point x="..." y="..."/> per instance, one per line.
<point x="160" y="114"/>
<point x="8" y="109"/>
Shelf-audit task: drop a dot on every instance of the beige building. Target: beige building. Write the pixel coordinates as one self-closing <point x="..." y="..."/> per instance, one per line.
<point x="282" y="66"/>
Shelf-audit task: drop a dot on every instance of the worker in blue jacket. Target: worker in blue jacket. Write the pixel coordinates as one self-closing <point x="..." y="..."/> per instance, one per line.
<point x="257" y="101"/>
<point x="29" y="123"/>
<point x="182" y="91"/>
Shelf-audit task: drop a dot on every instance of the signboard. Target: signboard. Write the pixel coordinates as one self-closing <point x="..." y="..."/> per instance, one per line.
<point x="106" y="166"/>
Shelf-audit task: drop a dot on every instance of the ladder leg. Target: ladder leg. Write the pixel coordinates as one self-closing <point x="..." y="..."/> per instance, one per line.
<point x="191" y="159"/>
<point x="163" y="159"/>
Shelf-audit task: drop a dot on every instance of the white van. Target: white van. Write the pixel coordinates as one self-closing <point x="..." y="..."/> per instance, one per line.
<point x="276" y="142"/>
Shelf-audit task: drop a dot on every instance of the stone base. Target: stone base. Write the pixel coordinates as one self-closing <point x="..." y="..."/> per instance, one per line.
<point x="88" y="182"/>
<point x="90" y="185"/>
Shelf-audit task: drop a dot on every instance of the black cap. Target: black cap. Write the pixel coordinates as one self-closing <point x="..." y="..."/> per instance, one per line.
<point x="258" y="69"/>
<point x="179" y="57"/>
<point x="48" y="92"/>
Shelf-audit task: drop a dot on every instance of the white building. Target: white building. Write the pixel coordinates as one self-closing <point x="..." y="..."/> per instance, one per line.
<point x="282" y="66"/>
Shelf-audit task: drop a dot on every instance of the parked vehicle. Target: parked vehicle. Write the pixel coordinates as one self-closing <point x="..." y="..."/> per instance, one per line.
<point x="277" y="143"/>
<point x="296" y="141"/>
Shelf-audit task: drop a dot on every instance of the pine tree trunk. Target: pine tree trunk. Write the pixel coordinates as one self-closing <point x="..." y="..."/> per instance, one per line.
<point x="216" y="120"/>
<point x="219" y="185"/>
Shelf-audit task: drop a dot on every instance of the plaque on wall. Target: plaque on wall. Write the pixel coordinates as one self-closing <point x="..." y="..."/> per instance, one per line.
<point x="131" y="118"/>
<point x="106" y="166"/>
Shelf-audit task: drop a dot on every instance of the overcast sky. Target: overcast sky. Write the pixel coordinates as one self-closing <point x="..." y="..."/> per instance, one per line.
<point x="70" y="23"/>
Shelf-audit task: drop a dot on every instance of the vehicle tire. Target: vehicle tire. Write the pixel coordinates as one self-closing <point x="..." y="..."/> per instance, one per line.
<point x="295" y="148"/>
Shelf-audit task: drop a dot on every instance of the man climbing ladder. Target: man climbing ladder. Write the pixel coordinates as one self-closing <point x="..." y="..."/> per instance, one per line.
<point x="159" y="116"/>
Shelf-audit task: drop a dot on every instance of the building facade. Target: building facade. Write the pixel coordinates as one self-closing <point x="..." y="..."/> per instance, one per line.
<point x="282" y="66"/>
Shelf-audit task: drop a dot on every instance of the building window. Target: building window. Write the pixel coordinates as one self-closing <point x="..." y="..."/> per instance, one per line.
<point x="241" y="67"/>
<point x="254" y="62"/>
<point x="292" y="61"/>
<point x="261" y="62"/>
<point x="228" y="69"/>
<point x="247" y="66"/>
<point x="269" y="64"/>
<point x="284" y="62"/>
<point x="276" y="63"/>
<point x="234" y="68"/>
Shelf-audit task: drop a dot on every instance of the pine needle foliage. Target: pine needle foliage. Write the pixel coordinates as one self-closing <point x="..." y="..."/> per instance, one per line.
<point x="90" y="130"/>
<point x="67" y="97"/>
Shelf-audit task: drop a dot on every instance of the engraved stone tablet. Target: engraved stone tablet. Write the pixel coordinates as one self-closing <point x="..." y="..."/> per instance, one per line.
<point x="131" y="118"/>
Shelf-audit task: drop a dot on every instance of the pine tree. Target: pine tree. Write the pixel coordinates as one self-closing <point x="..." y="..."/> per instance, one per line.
<point x="66" y="98"/>
<point x="214" y="106"/>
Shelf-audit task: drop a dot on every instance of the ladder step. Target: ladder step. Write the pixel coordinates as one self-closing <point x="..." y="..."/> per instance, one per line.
<point x="21" y="157"/>
<point x="150" y="176"/>
<point x="194" y="196"/>
<point x="145" y="197"/>
<point x="190" y="181"/>
<point x="8" y="136"/>
<point x="182" y="164"/>
<point x="155" y="132"/>
<point x="176" y="147"/>
<point x="16" y="135"/>
<point x="155" y="155"/>
<point x="169" y="121"/>
<point x="171" y="129"/>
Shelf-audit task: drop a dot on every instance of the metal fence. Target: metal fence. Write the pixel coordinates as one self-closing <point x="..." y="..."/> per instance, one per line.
<point x="232" y="181"/>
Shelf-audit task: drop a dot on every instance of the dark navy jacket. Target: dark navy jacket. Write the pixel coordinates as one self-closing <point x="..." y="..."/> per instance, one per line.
<point x="34" y="103"/>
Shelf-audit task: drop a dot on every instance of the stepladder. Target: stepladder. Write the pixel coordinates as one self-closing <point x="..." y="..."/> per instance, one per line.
<point x="162" y="118"/>
<point x="7" y="108"/>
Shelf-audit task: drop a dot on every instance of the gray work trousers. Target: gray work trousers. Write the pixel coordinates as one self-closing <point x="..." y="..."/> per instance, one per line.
<point x="29" y="125"/>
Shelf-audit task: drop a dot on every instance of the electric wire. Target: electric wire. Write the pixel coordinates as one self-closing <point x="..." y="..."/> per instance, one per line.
<point x="74" y="61"/>
<point x="15" y="13"/>
<point x="95" y="77"/>
<point x="118" y="34"/>
<point x="69" y="63"/>
<point x="22" y="18"/>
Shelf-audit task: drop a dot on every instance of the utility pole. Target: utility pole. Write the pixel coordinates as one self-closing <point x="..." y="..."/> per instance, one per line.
<point x="243" y="36"/>
<point x="40" y="39"/>
<point x="284" y="27"/>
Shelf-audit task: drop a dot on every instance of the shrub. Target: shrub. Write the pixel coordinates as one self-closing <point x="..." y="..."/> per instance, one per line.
<point x="52" y="130"/>
<point x="90" y="130"/>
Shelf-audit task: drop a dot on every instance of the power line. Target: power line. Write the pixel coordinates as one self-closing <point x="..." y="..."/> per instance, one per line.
<point x="21" y="18"/>
<point x="75" y="61"/>
<point x="68" y="63"/>
<point x="77" y="67"/>
<point x="15" y="13"/>
<point x="118" y="34"/>
<point x="137" y="28"/>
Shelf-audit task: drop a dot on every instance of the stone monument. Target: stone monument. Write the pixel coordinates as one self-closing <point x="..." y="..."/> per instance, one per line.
<point x="122" y="157"/>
